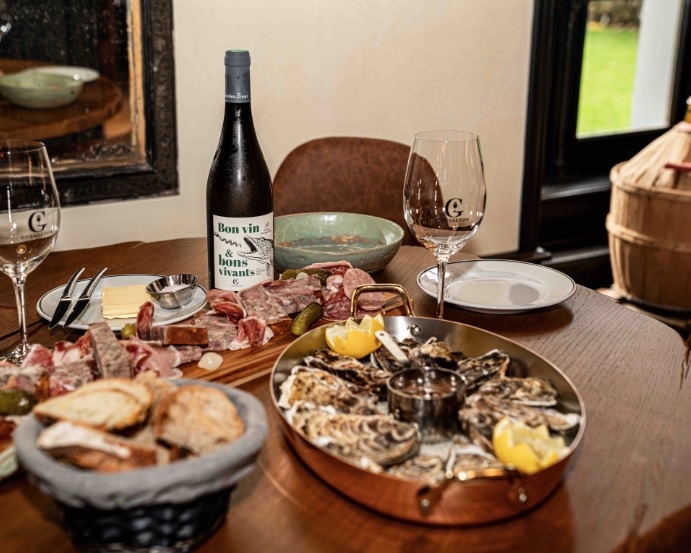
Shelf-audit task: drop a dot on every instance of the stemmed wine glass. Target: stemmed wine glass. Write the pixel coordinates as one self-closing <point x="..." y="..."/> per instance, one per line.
<point x="29" y="220"/>
<point x="444" y="195"/>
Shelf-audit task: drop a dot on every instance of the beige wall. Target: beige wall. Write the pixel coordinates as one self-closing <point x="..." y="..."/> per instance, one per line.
<point x="378" y="68"/>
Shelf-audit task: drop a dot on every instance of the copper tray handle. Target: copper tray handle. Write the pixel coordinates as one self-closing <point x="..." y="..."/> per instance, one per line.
<point x="429" y="495"/>
<point x="394" y="288"/>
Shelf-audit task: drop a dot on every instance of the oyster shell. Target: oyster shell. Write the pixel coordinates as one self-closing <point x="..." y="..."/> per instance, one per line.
<point x="481" y="412"/>
<point x="536" y="392"/>
<point x="382" y="358"/>
<point x="365" y="439"/>
<point x="316" y="387"/>
<point x="476" y="370"/>
<point x="423" y="467"/>
<point x="435" y="353"/>
<point x="366" y="376"/>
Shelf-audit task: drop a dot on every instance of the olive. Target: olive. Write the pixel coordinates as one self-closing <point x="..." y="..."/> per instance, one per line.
<point x="16" y="402"/>
<point x="128" y="331"/>
<point x="306" y="318"/>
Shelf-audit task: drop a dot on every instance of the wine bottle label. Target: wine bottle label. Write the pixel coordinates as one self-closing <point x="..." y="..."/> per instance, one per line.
<point x="243" y="251"/>
<point x="238" y="85"/>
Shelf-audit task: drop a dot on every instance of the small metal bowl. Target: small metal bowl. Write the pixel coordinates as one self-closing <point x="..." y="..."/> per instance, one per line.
<point x="172" y="292"/>
<point x="431" y="398"/>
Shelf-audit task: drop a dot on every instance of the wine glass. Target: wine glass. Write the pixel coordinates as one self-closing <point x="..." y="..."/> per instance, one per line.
<point x="29" y="220"/>
<point x="444" y="195"/>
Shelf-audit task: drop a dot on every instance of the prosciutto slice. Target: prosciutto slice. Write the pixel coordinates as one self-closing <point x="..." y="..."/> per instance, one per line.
<point x="227" y="302"/>
<point x="146" y="357"/>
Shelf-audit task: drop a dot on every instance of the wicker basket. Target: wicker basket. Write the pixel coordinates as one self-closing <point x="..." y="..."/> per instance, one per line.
<point x="162" y="509"/>
<point x="650" y="243"/>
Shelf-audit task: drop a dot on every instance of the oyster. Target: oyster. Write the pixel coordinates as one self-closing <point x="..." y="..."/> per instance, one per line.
<point x="476" y="370"/>
<point x="435" y="353"/>
<point x="366" y="376"/>
<point x="365" y="439"/>
<point x="536" y="392"/>
<point x="465" y="456"/>
<point x="481" y="412"/>
<point x="423" y="467"/>
<point x="382" y="358"/>
<point x="315" y="387"/>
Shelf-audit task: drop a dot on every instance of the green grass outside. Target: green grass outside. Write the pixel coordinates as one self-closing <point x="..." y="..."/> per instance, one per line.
<point x="609" y="65"/>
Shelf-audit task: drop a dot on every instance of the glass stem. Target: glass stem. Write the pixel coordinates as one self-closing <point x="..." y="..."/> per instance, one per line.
<point x="23" y="345"/>
<point x="442" y="260"/>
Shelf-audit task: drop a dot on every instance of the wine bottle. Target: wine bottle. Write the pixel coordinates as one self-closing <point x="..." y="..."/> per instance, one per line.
<point x="239" y="196"/>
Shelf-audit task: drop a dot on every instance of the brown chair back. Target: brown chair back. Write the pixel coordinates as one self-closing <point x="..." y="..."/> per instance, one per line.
<point x="344" y="174"/>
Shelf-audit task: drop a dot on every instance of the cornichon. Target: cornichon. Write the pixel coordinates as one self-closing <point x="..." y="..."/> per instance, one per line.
<point x="128" y="331"/>
<point x="293" y="273"/>
<point x="16" y="402"/>
<point x="306" y="318"/>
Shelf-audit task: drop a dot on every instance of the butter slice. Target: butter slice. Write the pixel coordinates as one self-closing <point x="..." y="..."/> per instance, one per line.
<point x="123" y="302"/>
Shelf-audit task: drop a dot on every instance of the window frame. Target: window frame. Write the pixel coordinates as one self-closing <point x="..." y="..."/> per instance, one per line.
<point x="566" y="183"/>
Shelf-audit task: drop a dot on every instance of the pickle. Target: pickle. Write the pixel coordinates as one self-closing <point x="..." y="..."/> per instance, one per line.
<point x="306" y="318"/>
<point x="16" y="402"/>
<point x="128" y="331"/>
<point x="293" y="273"/>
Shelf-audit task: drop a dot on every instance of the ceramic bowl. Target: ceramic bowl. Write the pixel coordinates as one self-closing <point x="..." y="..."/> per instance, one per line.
<point x="368" y="243"/>
<point x="172" y="292"/>
<point x="35" y="90"/>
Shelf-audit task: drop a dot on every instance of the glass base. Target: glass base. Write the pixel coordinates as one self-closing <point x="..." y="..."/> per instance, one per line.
<point x="17" y="355"/>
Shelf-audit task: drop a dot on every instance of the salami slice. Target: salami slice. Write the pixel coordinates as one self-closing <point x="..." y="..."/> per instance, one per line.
<point x="353" y="278"/>
<point x="145" y="321"/>
<point x="335" y="267"/>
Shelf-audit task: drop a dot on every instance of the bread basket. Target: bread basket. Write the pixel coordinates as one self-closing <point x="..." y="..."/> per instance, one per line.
<point x="171" y="508"/>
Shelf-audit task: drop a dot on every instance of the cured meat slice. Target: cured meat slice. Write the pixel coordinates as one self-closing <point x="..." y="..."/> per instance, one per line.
<point x="111" y="358"/>
<point x="227" y="302"/>
<point x="146" y="357"/>
<point x="70" y="376"/>
<point x="252" y="331"/>
<point x="336" y="306"/>
<point x="259" y="303"/>
<point x="41" y="356"/>
<point x="357" y="277"/>
<point x="295" y="294"/>
<point x="66" y="352"/>
<point x="189" y="353"/>
<point x="33" y="379"/>
<point x="145" y="320"/>
<point x="335" y="267"/>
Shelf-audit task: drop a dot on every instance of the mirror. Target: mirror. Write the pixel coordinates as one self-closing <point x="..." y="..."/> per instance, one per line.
<point x="114" y="138"/>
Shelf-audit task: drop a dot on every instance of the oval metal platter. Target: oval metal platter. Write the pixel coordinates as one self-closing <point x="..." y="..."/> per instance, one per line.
<point x="465" y="499"/>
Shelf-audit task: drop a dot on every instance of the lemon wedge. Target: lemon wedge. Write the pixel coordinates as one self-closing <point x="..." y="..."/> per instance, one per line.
<point x="528" y="449"/>
<point x="353" y="339"/>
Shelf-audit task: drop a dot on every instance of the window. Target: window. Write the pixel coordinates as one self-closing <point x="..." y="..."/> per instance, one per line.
<point x="566" y="185"/>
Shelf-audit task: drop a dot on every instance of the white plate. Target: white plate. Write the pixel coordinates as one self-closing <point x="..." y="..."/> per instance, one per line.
<point x="82" y="73"/>
<point x="92" y="314"/>
<point x="499" y="286"/>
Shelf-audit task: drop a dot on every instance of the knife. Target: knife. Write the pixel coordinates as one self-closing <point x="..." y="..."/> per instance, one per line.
<point x="65" y="299"/>
<point x="85" y="298"/>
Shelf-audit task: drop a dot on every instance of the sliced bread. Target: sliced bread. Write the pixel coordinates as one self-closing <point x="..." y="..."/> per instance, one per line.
<point x="93" y="449"/>
<point x="109" y="404"/>
<point x="198" y="419"/>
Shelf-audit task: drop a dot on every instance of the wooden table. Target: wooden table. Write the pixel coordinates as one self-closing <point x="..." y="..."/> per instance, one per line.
<point x="98" y="101"/>
<point x="629" y="473"/>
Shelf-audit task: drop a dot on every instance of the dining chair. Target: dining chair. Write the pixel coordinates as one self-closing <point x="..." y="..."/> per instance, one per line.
<point x="345" y="174"/>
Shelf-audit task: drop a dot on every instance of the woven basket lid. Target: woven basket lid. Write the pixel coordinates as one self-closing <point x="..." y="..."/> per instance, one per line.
<point x="664" y="163"/>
